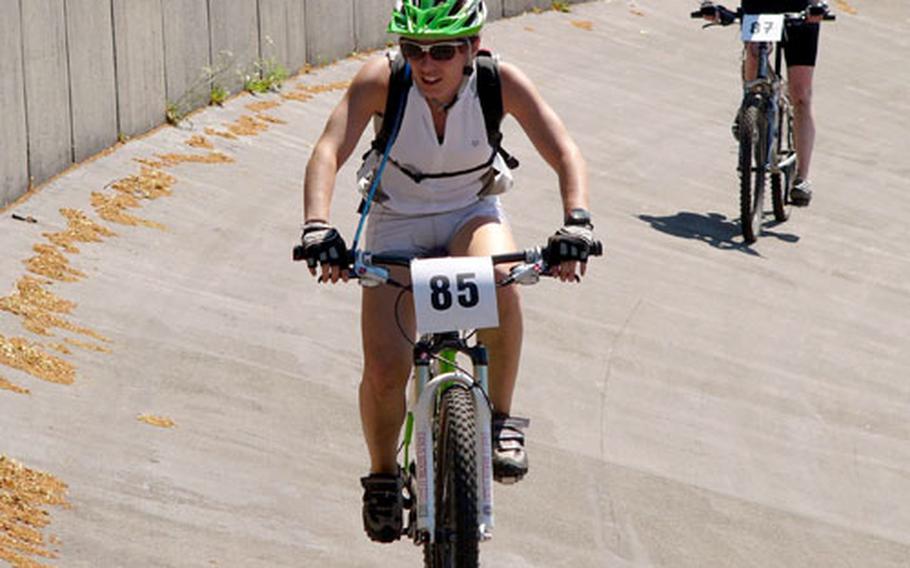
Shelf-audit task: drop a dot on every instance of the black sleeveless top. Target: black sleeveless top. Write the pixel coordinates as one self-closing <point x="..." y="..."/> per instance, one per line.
<point x="773" y="6"/>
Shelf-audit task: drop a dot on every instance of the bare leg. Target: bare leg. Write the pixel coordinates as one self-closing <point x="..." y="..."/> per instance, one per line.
<point x="800" y="81"/>
<point x="750" y="62"/>
<point x="386" y="369"/>
<point x="483" y="237"/>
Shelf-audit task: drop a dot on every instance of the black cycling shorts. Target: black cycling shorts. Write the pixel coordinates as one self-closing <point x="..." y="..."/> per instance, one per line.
<point x="773" y="6"/>
<point x="801" y="43"/>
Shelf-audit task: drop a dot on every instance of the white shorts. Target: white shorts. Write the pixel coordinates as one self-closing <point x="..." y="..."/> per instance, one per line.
<point x="424" y="235"/>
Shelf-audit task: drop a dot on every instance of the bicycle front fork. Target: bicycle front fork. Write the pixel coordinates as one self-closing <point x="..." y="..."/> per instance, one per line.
<point x="419" y="429"/>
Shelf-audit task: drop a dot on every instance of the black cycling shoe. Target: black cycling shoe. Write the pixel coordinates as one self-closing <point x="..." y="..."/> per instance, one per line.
<point x="801" y="193"/>
<point x="382" y="506"/>
<point x="510" y="460"/>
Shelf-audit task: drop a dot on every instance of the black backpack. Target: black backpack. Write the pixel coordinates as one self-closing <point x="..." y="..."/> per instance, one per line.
<point x="489" y="88"/>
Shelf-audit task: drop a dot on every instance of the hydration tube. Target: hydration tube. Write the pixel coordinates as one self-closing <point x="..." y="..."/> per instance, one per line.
<point x="385" y="158"/>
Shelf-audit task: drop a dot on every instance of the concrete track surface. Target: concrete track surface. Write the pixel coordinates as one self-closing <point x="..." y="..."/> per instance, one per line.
<point x="694" y="403"/>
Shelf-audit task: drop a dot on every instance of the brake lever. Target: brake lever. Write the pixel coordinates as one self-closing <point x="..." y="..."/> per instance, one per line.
<point x="526" y="274"/>
<point x="366" y="273"/>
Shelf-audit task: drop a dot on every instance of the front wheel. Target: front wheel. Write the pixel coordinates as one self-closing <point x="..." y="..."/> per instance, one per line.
<point x="457" y="533"/>
<point x="751" y="187"/>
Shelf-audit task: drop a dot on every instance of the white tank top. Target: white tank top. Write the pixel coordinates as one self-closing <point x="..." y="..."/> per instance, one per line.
<point x="417" y="150"/>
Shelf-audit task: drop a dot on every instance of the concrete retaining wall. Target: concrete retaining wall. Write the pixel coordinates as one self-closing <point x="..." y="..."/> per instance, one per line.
<point x="14" y="153"/>
<point x="187" y="46"/>
<point x="46" y="86"/>
<point x="76" y="75"/>
<point x="93" y="90"/>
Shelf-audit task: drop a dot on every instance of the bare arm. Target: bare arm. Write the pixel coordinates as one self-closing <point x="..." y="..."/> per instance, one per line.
<point x="548" y="134"/>
<point x="551" y="139"/>
<point x="364" y="98"/>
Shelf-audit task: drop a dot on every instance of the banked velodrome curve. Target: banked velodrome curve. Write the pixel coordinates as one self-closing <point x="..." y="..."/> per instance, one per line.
<point x="694" y="403"/>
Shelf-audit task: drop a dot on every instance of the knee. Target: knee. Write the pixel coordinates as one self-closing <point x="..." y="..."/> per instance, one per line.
<point x="801" y="99"/>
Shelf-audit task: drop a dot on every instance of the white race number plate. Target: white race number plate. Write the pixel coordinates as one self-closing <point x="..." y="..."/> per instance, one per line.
<point x="763" y="27"/>
<point x="454" y="293"/>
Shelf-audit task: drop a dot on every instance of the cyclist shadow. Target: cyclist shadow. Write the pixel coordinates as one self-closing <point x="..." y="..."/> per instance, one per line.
<point x="714" y="229"/>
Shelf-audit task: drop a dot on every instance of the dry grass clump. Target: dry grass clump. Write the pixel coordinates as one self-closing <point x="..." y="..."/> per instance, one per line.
<point x="200" y="141"/>
<point x="6" y="385"/>
<point x="37" y="306"/>
<point x="21" y="354"/>
<point x="159" y="421"/>
<point x="25" y="495"/>
<point x="303" y="93"/>
<point x="262" y="105"/>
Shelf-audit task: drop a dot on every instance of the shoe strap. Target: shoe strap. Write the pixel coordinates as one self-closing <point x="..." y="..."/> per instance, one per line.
<point x="510" y="428"/>
<point x="382" y="493"/>
<point x="382" y="482"/>
<point x="515" y="422"/>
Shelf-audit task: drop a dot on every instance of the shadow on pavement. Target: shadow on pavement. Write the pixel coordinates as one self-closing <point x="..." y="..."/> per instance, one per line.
<point x="714" y="229"/>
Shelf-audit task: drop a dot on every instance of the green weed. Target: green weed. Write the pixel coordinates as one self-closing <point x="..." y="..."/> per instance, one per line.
<point x="218" y="95"/>
<point x="203" y="91"/>
<point x="266" y="74"/>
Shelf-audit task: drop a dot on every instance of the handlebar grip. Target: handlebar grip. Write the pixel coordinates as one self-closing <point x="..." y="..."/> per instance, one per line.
<point x="721" y="15"/>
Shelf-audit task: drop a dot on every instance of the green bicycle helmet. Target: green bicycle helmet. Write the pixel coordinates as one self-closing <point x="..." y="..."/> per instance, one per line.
<point x="437" y="19"/>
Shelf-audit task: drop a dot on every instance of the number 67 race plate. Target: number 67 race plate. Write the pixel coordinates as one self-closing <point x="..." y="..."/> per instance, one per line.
<point x="763" y="27"/>
<point x="454" y="293"/>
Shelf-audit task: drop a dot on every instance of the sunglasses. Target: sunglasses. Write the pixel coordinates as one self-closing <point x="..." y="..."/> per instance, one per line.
<point x="440" y="51"/>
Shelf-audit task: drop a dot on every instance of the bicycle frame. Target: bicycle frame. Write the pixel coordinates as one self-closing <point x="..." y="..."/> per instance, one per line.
<point x="769" y="83"/>
<point x="767" y="105"/>
<point x="443" y="349"/>
<point x="765" y="92"/>
<point x="429" y="384"/>
<point x="435" y="371"/>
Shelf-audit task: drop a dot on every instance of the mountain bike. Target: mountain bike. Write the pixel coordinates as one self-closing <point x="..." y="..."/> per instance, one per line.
<point x="764" y="122"/>
<point x="446" y="447"/>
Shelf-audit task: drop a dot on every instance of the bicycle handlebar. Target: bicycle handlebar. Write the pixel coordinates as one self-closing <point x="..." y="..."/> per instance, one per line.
<point x="536" y="261"/>
<point x="528" y="255"/>
<point x="398" y="260"/>
<point x="727" y="17"/>
<point x="724" y="15"/>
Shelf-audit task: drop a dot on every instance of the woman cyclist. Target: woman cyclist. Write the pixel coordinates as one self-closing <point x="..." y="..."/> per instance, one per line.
<point x="455" y="211"/>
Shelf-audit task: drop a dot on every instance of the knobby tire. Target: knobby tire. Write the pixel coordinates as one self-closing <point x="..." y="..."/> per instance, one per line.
<point x="751" y="187"/>
<point x="457" y="532"/>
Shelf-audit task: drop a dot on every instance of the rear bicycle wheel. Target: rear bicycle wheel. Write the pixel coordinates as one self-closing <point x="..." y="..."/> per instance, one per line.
<point x="751" y="179"/>
<point x="457" y="533"/>
<point x="782" y="182"/>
